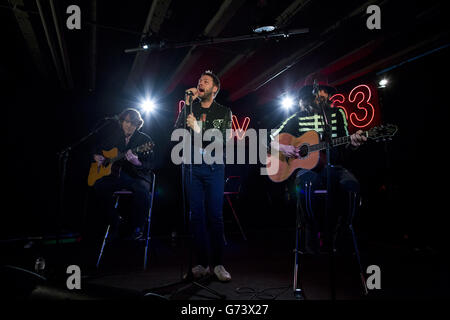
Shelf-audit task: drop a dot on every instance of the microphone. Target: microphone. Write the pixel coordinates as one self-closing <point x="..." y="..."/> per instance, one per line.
<point x="189" y="93"/>
<point x="116" y="117"/>
<point x="315" y="90"/>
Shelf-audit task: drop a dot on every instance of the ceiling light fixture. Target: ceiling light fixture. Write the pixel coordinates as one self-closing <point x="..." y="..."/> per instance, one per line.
<point x="263" y="29"/>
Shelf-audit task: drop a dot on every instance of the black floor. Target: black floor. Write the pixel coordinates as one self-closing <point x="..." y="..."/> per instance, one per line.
<point x="262" y="268"/>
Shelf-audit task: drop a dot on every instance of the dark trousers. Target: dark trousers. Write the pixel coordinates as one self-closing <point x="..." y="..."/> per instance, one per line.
<point x="140" y="202"/>
<point x="344" y="200"/>
<point x="206" y="222"/>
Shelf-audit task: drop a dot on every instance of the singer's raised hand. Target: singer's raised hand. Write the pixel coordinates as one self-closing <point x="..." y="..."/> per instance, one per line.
<point x="193" y="97"/>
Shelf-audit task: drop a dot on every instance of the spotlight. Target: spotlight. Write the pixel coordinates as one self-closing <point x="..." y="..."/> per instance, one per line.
<point x="287" y="102"/>
<point x="145" y="46"/>
<point x="264" y="29"/>
<point x="147" y="105"/>
<point x="383" y="83"/>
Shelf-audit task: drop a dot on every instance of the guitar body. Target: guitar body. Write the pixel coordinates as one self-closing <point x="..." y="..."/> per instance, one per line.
<point x="286" y="166"/>
<point x="96" y="172"/>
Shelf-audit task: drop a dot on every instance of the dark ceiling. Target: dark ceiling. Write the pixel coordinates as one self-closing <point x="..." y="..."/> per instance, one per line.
<point x="338" y="47"/>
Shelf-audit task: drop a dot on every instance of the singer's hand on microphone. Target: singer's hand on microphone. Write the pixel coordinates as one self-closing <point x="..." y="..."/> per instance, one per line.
<point x="191" y="122"/>
<point x="189" y="97"/>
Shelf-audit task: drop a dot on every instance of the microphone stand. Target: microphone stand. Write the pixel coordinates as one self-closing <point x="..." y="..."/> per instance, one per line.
<point x="63" y="156"/>
<point x="327" y="132"/>
<point x="188" y="225"/>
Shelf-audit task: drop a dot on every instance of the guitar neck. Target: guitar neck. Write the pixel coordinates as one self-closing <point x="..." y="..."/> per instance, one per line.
<point x="334" y="142"/>
<point x="121" y="155"/>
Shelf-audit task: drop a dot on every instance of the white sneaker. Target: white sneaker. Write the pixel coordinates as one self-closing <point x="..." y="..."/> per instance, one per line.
<point x="221" y="273"/>
<point x="200" y="271"/>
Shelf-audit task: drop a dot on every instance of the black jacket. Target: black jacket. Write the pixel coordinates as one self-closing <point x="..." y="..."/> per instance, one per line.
<point x="216" y="116"/>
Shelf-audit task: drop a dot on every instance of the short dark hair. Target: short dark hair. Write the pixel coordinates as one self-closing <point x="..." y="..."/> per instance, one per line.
<point x="215" y="78"/>
<point x="135" y="117"/>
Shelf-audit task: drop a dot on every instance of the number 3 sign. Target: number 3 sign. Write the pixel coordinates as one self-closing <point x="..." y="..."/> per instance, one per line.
<point x="360" y="107"/>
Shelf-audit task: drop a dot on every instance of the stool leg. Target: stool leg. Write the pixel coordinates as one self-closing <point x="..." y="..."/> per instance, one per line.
<point x="336" y="233"/>
<point x="235" y="217"/>
<point x="353" y="198"/>
<point x="298" y="292"/>
<point x="363" y="280"/>
<point x="103" y="246"/>
<point x="147" y="240"/>
<point x="148" y="223"/>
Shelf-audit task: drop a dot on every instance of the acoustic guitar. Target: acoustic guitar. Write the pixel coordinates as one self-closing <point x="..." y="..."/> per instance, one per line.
<point x="309" y="147"/>
<point x="111" y="157"/>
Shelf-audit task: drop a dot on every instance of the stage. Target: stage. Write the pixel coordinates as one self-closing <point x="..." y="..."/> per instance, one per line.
<point x="262" y="268"/>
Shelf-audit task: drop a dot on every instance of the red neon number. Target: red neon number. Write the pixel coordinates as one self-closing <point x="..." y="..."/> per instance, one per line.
<point x="365" y="94"/>
<point x="340" y="99"/>
<point x="363" y="104"/>
<point x="240" y="131"/>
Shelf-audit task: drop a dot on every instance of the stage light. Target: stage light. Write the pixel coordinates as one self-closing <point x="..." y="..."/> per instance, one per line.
<point x="147" y="105"/>
<point x="287" y="102"/>
<point x="145" y="46"/>
<point x="264" y="29"/>
<point x="383" y="83"/>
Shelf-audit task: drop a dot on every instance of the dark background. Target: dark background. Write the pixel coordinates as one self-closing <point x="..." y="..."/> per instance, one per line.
<point x="404" y="182"/>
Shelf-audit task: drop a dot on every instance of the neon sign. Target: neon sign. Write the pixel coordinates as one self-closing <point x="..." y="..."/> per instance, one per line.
<point x="360" y="107"/>
<point x="240" y="131"/>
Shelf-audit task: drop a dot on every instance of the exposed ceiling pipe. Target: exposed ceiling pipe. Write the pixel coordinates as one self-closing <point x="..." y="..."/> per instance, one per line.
<point x="214" y="27"/>
<point x="93" y="48"/>
<point x="282" y="20"/>
<point x="23" y="20"/>
<point x="296" y="57"/>
<point x="51" y="47"/>
<point x="62" y="47"/>
<point x="153" y="22"/>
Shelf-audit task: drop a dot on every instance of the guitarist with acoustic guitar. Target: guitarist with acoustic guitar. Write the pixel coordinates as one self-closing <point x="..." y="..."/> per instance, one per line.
<point x="343" y="182"/>
<point x="124" y="160"/>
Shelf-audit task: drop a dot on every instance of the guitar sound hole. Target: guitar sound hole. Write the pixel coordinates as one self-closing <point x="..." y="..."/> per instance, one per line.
<point x="303" y="151"/>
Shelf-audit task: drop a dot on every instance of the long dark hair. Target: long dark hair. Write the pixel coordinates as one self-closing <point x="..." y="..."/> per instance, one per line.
<point x="135" y="117"/>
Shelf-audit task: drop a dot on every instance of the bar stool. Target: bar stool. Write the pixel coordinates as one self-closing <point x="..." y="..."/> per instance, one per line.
<point x="307" y="211"/>
<point x="233" y="187"/>
<point x="117" y="195"/>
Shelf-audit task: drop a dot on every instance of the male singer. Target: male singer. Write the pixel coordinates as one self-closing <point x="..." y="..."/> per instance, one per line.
<point x="207" y="184"/>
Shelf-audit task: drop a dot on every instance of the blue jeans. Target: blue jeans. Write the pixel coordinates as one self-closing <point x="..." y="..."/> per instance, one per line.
<point x="206" y="201"/>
